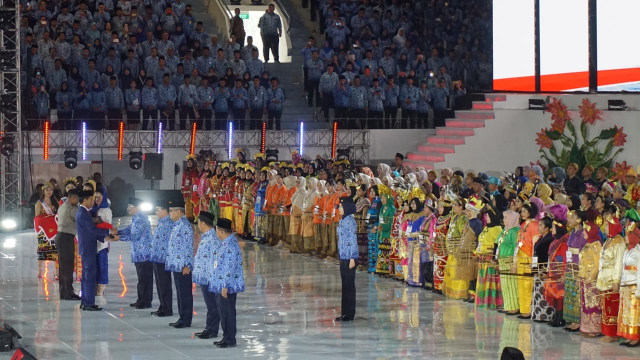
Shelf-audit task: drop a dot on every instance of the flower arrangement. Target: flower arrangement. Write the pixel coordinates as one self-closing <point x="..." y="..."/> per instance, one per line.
<point x="563" y="143"/>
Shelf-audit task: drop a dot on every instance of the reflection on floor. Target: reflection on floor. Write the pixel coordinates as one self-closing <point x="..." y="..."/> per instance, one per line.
<point x="286" y="312"/>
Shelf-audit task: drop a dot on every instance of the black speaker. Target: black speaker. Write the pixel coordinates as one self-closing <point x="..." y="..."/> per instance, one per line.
<point x="153" y="166"/>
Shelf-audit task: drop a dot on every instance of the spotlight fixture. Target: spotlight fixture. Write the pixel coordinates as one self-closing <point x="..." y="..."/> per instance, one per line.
<point x="9" y="224"/>
<point x="344" y="153"/>
<point x="70" y="158"/>
<point x="617" y="105"/>
<point x="6" y="146"/>
<point x="537" y="104"/>
<point x="135" y="160"/>
<point x="271" y="155"/>
<point x="146" y="206"/>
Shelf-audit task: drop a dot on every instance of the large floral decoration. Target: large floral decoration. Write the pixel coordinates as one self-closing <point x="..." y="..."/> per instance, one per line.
<point x="562" y="143"/>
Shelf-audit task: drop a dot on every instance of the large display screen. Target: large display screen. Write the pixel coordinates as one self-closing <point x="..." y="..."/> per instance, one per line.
<point x="513" y="45"/>
<point x="564" y="45"/>
<point x="618" y="53"/>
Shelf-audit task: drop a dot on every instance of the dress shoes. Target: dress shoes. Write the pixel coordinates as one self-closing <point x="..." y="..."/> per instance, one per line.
<point x="223" y="345"/>
<point x="134" y="304"/>
<point x="180" y="325"/>
<point x="90" y="308"/>
<point x="174" y="323"/>
<point x="206" y="335"/>
<point x="161" y="314"/>
<point x="71" y="297"/>
<point x="218" y="342"/>
<point x="143" y="306"/>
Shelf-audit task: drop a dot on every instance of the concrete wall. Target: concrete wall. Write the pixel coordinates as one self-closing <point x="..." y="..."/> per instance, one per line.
<point x="508" y="140"/>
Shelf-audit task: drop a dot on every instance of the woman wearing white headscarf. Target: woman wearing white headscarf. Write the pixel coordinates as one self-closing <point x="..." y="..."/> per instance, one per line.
<point x="307" y="216"/>
<point x="295" y="224"/>
<point x="400" y="39"/>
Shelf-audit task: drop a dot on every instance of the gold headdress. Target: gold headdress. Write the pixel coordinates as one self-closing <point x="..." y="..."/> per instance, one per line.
<point x="259" y="155"/>
<point x="384" y="190"/>
<point x="192" y="157"/>
<point x="416" y="192"/>
<point x="70" y="180"/>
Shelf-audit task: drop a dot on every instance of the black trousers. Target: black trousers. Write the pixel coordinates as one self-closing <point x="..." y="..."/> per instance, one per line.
<point x="221" y="120"/>
<point x="239" y="116"/>
<point x="114" y="116"/>
<point x="213" y="318"/>
<point x="428" y="274"/>
<point x="164" y="289"/>
<point x="327" y="103"/>
<point x="256" y="118"/>
<point x="439" y="117"/>
<point x="341" y="115"/>
<point x="184" y="113"/>
<point x="66" y="257"/>
<point x="348" y="277"/>
<point x="270" y="42"/>
<point x="227" y="311"/>
<point x="205" y="119"/>
<point x="146" y="114"/>
<point x="375" y="119"/>
<point x="133" y="119"/>
<point x="145" y="282"/>
<point x="358" y="119"/>
<point x="312" y="88"/>
<point x="274" y="116"/>
<point x="408" y="119"/>
<point x="65" y="122"/>
<point x="422" y="120"/>
<point x="390" y="116"/>
<point x="185" y="297"/>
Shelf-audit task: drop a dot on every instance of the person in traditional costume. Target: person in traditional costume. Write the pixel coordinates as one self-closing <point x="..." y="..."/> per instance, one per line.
<point x="238" y="192"/>
<point x="575" y="243"/>
<point x="554" y="283"/>
<point x="591" y="312"/>
<point x="225" y="199"/>
<point x="397" y="245"/>
<point x="308" y="227"/>
<point x="468" y="243"/>
<point x="188" y="176"/>
<point x="249" y="194"/>
<point x="297" y="211"/>
<point x="541" y="311"/>
<point x="523" y="257"/>
<point x="486" y="287"/>
<point x="361" y="216"/>
<point x="385" y="222"/>
<point x="46" y="228"/>
<point x="440" y="254"/>
<point x="610" y="273"/>
<point x="260" y="216"/>
<point x="215" y="184"/>
<point x="327" y="217"/>
<point x="270" y="206"/>
<point x="286" y="207"/>
<point x="318" y="218"/>
<point x="629" y="311"/>
<point x="427" y="236"/>
<point x="507" y="242"/>
<point x="455" y="284"/>
<point x="414" y="275"/>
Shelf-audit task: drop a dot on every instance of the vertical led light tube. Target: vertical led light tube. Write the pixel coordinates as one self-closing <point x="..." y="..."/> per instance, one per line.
<point x="230" y="140"/>
<point x="194" y="129"/>
<point x="301" y="138"/>
<point x="263" y="140"/>
<point x="334" y="139"/>
<point x="120" y="139"/>
<point x="47" y="126"/>
<point x="159" y="144"/>
<point x="84" y="141"/>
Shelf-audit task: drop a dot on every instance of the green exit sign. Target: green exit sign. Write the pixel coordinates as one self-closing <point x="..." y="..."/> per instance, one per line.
<point x="244" y="16"/>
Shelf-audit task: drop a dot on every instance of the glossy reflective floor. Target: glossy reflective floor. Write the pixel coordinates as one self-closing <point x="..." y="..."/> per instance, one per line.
<point x="286" y="312"/>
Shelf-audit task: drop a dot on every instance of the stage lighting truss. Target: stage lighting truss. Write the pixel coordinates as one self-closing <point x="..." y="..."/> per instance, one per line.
<point x="10" y="115"/>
